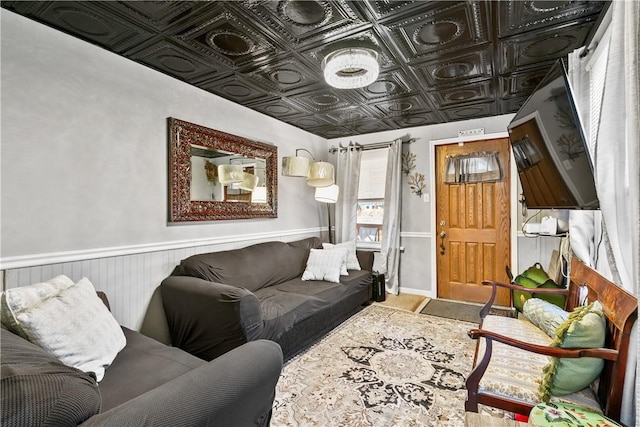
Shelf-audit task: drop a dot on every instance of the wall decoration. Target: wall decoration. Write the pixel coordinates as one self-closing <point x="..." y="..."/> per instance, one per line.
<point x="197" y="191"/>
<point x="408" y="162"/>
<point x="570" y="143"/>
<point x="416" y="183"/>
<point x="211" y="170"/>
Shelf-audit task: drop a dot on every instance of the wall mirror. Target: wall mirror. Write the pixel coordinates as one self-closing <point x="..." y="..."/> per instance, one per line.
<point x="214" y="175"/>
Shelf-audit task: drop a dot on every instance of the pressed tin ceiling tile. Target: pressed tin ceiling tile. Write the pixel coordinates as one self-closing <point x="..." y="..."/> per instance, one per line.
<point x="440" y="61"/>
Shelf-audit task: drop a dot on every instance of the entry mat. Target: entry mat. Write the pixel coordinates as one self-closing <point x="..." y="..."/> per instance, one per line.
<point x="462" y="311"/>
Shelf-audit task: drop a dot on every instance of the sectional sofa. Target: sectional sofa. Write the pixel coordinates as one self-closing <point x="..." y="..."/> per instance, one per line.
<point x="217" y="301"/>
<point x="146" y="384"/>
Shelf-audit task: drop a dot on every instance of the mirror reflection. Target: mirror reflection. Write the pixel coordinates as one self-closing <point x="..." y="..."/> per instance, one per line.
<point x="247" y="183"/>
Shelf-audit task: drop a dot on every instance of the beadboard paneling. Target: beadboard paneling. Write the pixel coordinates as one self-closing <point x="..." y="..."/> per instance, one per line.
<point x="128" y="280"/>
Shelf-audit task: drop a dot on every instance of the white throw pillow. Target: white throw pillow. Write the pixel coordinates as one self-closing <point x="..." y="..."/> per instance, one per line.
<point x="30" y="296"/>
<point x="67" y="320"/>
<point x="352" y="258"/>
<point x="324" y="265"/>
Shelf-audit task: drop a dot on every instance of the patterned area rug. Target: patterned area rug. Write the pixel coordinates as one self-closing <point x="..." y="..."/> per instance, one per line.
<point x="382" y="367"/>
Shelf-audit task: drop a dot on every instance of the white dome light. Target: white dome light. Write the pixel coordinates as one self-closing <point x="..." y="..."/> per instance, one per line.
<point x="351" y="68"/>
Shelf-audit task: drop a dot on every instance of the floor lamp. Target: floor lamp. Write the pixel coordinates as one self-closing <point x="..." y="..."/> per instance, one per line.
<point x="328" y="195"/>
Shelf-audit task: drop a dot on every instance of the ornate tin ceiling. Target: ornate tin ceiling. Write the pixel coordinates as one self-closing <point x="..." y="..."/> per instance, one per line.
<point x="440" y="61"/>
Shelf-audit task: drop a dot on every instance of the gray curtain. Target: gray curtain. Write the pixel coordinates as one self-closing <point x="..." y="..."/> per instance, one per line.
<point x="347" y="163"/>
<point x="390" y="242"/>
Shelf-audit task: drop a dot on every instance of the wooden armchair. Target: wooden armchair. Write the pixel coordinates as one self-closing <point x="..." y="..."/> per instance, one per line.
<point x="620" y="310"/>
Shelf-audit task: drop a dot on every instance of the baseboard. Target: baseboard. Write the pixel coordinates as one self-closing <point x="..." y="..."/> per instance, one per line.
<point x="413" y="291"/>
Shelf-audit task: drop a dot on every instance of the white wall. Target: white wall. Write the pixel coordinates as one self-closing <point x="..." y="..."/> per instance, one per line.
<point x="84" y="148"/>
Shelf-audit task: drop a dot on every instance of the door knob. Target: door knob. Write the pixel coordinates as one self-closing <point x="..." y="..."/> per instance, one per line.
<point x="443" y="234"/>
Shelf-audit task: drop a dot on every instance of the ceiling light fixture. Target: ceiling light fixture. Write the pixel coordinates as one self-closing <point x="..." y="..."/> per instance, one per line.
<point x="351" y="68"/>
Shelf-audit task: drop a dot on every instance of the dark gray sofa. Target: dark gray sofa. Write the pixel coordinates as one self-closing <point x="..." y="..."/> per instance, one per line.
<point x="217" y="301"/>
<point x="148" y="384"/>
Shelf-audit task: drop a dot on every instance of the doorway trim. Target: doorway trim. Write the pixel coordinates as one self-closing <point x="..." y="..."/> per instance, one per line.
<point x="432" y="190"/>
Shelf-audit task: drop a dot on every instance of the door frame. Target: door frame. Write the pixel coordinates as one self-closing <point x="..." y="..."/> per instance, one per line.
<point x="513" y="208"/>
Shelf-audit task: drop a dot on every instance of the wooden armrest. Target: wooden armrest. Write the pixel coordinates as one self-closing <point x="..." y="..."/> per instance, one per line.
<point x="494" y="286"/>
<point x="558" y="291"/>
<point x="600" y="353"/>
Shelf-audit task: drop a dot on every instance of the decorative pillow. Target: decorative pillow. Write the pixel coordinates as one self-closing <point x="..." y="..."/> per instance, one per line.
<point x="325" y="265"/>
<point x="352" y="258"/>
<point x="584" y="327"/>
<point x="37" y="390"/>
<point x="544" y="315"/>
<point x="68" y="321"/>
<point x="567" y="415"/>
<point x="31" y="295"/>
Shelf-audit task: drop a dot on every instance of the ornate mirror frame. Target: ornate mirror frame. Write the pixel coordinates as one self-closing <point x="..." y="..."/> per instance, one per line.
<point x="182" y="136"/>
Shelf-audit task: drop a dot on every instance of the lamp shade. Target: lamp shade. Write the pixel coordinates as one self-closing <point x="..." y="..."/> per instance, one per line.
<point x="351" y="68"/>
<point x="259" y="195"/>
<point x="327" y="194"/>
<point x="320" y="174"/>
<point x="249" y="181"/>
<point x="229" y="174"/>
<point x="295" y="166"/>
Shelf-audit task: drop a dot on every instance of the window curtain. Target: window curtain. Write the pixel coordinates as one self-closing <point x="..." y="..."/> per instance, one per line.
<point x="390" y="242"/>
<point x="347" y="178"/>
<point x="474" y="167"/>
<point x="616" y="136"/>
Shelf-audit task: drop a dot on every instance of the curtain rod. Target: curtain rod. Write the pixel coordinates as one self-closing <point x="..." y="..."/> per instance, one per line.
<point x="373" y="146"/>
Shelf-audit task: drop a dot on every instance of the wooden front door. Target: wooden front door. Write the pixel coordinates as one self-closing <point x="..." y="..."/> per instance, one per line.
<point x="473" y="228"/>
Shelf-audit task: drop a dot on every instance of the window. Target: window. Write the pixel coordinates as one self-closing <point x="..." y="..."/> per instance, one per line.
<point x="373" y="171"/>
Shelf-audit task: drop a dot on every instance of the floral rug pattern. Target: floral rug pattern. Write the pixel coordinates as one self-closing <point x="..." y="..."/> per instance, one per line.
<point x="382" y="367"/>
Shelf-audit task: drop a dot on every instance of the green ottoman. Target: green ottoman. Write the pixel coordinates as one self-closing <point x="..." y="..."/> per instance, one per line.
<point x="565" y="414"/>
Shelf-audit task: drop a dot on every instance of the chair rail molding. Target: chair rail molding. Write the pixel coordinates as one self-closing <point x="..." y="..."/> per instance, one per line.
<point x="32" y="260"/>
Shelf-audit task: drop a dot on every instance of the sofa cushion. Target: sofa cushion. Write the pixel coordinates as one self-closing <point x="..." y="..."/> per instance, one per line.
<point x="352" y="258"/>
<point x="37" y="389"/>
<point x="142" y="365"/>
<point x="307" y="243"/>
<point x="293" y="301"/>
<point x="544" y="315"/>
<point x="514" y="372"/>
<point x="68" y="320"/>
<point x="359" y="278"/>
<point x="252" y="267"/>
<point x="585" y="327"/>
<point x="326" y="265"/>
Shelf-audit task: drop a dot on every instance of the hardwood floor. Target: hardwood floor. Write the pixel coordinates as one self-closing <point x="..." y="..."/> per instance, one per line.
<point x="408" y="302"/>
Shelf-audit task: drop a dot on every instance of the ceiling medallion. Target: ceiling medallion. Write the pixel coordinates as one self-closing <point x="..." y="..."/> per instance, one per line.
<point x="230" y="42"/>
<point x="306" y="13"/>
<point x="84" y="21"/>
<point x="438" y="33"/>
<point x="546" y="6"/>
<point x="325" y="99"/>
<point x="400" y="107"/>
<point x="382" y="87"/>
<point x="555" y="45"/>
<point x="177" y="64"/>
<point x="452" y="70"/>
<point x="351" y="68"/>
<point x="461" y="95"/>
<point x="286" y="76"/>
